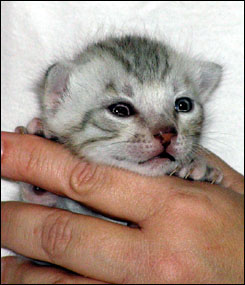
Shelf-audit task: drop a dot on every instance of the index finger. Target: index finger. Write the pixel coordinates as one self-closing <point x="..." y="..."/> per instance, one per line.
<point x="110" y="190"/>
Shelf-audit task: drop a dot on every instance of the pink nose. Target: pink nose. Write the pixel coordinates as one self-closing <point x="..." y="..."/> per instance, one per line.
<point x="166" y="135"/>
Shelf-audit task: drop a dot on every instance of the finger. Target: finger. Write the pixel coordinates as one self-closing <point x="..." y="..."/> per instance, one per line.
<point x="29" y="158"/>
<point x="18" y="271"/>
<point x="85" y="245"/>
<point x="232" y="179"/>
<point x="110" y="190"/>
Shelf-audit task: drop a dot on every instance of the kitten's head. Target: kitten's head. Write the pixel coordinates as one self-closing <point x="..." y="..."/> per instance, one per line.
<point x="130" y="102"/>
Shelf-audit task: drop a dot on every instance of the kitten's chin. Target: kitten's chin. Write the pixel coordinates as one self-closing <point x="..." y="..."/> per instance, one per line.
<point x="154" y="167"/>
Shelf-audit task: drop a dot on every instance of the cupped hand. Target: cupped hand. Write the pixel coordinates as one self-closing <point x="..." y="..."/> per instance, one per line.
<point x="188" y="232"/>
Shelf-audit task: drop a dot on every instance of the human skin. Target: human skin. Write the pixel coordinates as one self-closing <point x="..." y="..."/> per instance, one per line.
<point x="189" y="232"/>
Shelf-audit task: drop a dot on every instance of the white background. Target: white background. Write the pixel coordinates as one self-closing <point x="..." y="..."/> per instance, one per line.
<point x="37" y="33"/>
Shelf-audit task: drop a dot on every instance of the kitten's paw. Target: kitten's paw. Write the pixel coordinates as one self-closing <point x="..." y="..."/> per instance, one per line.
<point x="200" y="171"/>
<point x="214" y="175"/>
<point x="35" y="127"/>
<point x="21" y="130"/>
<point x="30" y="193"/>
<point x="35" y="195"/>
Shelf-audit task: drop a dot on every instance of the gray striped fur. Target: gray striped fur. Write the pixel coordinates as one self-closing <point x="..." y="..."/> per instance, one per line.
<point x="140" y="71"/>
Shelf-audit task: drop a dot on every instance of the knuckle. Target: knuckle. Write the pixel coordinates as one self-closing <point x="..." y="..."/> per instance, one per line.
<point x="57" y="235"/>
<point x="173" y="267"/>
<point x="190" y="203"/>
<point x="31" y="161"/>
<point x="85" y="178"/>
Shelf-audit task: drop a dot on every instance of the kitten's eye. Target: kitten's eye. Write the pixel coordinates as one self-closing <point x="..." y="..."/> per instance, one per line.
<point x="183" y="104"/>
<point x="122" y="109"/>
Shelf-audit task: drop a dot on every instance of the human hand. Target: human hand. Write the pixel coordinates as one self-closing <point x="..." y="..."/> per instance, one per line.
<point x="189" y="232"/>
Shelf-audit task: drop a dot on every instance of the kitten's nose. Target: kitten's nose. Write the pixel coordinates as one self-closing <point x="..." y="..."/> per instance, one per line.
<point x="165" y="135"/>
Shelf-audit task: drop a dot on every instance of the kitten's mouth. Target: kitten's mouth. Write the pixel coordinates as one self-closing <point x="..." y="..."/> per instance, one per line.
<point x="163" y="154"/>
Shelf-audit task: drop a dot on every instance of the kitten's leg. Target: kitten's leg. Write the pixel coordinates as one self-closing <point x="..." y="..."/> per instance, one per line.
<point x="34" y="127"/>
<point x="36" y="195"/>
<point x="201" y="171"/>
<point x="30" y="193"/>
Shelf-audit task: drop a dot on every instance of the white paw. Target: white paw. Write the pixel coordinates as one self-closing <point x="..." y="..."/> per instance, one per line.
<point x="214" y="175"/>
<point x="198" y="170"/>
<point x="35" y="127"/>
<point x="31" y="194"/>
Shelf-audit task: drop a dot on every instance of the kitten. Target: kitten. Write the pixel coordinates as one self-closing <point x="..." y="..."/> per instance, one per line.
<point x="129" y="102"/>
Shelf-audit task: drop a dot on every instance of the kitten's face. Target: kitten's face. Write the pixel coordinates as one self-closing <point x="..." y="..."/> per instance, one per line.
<point x="108" y="115"/>
<point x="139" y="127"/>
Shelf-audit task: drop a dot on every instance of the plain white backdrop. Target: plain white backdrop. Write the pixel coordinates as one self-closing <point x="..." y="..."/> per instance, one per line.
<point x="35" y="34"/>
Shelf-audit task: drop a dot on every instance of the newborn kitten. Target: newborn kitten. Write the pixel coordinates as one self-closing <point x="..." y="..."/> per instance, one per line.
<point x="129" y="102"/>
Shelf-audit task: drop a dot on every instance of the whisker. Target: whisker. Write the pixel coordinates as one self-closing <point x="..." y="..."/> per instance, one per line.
<point x="108" y="145"/>
<point x="218" y="133"/>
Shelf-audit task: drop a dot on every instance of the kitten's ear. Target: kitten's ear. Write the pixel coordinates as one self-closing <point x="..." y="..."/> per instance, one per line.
<point x="56" y="83"/>
<point x="207" y="78"/>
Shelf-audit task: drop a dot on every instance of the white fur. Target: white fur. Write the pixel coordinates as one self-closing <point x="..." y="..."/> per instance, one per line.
<point x="80" y="111"/>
